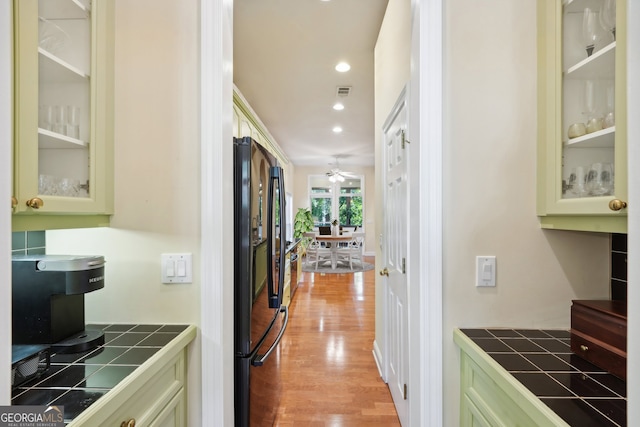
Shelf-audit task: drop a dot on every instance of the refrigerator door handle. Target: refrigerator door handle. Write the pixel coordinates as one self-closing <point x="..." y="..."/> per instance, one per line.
<point x="275" y="291"/>
<point x="260" y="358"/>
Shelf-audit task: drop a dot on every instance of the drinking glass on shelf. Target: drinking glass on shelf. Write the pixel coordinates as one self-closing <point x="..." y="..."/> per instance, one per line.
<point x="60" y="119"/>
<point x="589" y="33"/>
<point x="73" y="121"/>
<point x="589" y="97"/>
<point x="592" y="120"/>
<point x="45" y="117"/>
<point x="609" y="118"/>
<point x="607" y="179"/>
<point x="608" y="17"/>
<point x="600" y="179"/>
<point x="576" y="182"/>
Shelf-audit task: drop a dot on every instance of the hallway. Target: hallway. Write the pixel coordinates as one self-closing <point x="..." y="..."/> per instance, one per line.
<point x="329" y="375"/>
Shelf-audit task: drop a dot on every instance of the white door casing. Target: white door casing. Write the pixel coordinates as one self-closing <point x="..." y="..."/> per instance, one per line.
<point x="394" y="252"/>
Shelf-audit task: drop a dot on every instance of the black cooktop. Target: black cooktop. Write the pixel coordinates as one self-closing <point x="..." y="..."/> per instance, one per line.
<point x="580" y="393"/>
<point x="77" y="380"/>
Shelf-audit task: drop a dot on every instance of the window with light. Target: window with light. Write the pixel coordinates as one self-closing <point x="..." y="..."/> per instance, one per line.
<point x="336" y="197"/>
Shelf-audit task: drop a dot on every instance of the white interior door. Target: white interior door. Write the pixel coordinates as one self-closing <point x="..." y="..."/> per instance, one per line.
<point x="394" y="254"/>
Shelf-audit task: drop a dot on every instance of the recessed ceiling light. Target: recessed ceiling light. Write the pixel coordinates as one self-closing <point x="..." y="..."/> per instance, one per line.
<point x="343" y="67"/>
<point x="337" y="129"/>
<point x="338" y="106"/>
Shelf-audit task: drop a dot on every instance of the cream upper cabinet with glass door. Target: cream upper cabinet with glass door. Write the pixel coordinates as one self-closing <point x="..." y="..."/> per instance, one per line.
<point x="582" y="171"/>
<point x="63" y="80"/>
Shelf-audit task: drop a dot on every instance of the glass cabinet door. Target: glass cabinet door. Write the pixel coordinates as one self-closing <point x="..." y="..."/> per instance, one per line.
<point x="582" y="113"/>
<point x="60" y="160"/>
<point x="588" y="98"/>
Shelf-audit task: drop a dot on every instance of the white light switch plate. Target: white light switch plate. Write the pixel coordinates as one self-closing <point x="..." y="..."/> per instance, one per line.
<point x="485" y="271"/>
<point x="176" y="268"/>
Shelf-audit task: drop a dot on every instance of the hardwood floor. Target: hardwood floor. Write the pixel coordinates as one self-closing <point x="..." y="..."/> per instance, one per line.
<point x="329" y="376"/>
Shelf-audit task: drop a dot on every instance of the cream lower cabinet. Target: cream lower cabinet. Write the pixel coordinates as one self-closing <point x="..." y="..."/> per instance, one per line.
<point x="491" y="397"/>
<point x="63" y="113"/>
<point x="582" y="138"/>
<point x="286" y="288"/>
<point x="153" y="395"/>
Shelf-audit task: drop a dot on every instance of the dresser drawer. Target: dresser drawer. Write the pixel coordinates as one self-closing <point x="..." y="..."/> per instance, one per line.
<point x="605" y="321"/>
<point x="601" y="354"/>
<point x="599" y="334"/>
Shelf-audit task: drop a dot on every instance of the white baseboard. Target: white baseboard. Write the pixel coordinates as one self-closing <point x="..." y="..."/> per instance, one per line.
<point x="377" y="356"/>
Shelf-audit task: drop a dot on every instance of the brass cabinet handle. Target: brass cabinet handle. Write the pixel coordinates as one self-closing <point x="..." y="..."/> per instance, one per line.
<point x="128" y="423"/>
<point x="616" y="205"/>
<point x="35" y="203"/>
<point x="14" y="202"/>
<point x="384" y="272"/>
<point x="584" y="347"/>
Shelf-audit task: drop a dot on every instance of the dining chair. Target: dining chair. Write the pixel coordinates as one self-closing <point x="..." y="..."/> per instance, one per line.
<point x="354" y="250"/>
<point x="315" y="251"/>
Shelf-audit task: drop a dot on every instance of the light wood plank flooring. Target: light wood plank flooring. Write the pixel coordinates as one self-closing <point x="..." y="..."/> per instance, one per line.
<point x="329" y="375"/>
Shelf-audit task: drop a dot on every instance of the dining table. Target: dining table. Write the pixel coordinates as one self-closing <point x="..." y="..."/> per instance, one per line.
<point x="335" y="243"/>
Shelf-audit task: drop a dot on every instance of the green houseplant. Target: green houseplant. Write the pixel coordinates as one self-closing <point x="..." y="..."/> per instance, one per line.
<point x="302" y="223"/>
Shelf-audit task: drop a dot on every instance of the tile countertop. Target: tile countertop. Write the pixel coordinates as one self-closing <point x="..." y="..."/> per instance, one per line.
<point x="579" y="392"/>
<point x="77" y="380"/>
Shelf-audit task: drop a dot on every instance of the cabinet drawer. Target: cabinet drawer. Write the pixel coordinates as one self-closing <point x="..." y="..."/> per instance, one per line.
<point x="602" y="320"/>
<point x="601" y="354"/>
<point x="152" y="397"/>
<point x="154" y="394"/>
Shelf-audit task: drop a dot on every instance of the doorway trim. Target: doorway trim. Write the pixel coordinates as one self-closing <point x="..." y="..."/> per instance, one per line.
<point x="425" y="123"/>
<point x="216" y="124"/>
<point x="426" y="243"/>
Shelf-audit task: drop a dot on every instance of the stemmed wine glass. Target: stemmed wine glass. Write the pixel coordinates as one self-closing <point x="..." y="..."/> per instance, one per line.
<point x="592" y="121"/>
<point x="608" y="16"/>
<point x="589" y="23"/>
<point x="609" y="118"/>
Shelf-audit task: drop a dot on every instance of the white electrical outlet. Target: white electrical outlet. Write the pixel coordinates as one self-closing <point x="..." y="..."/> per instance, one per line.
<point x="176" y="268"/>
<point x="485" y="271"/>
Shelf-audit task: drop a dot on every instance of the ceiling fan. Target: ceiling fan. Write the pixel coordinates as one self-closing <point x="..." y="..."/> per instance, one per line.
<point x="338" y="175"/>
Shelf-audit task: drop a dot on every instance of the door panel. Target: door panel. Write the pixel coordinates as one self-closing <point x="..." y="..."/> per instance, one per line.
<point x="394" y="255"/>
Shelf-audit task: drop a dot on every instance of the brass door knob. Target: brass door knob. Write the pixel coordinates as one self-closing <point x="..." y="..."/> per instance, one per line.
<point x="128" y="423"/>
<point x="616" y="205"/>
<point x="14" y="202"/>
<point x="584" y="347"/>
<point x="384" y="272"/>
<point x="35" y="203"/>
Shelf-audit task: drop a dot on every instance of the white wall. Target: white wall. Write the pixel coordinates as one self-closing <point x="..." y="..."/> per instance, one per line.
<point x="490" y="187"/>
<point x="392" y="57"/>
<point x="301" y="196"/>
<point x="157" y="173"/>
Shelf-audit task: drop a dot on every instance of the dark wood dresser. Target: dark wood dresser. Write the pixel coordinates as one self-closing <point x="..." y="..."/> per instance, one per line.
<point x="599" y="334"/>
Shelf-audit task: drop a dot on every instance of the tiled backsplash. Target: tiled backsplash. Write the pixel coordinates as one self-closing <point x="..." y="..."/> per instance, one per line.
<point x="28" y="242"/>
<point x="619" y="266"/>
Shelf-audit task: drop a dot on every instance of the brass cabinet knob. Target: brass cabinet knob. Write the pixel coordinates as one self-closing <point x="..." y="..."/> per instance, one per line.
<point x="384" y="272"/>
<point x="14" y="202"/>
<point x="128" y="423"/>
<point x="616" y="205"/>
<point x="35" y="203"/>
<point x="584" y="347"/>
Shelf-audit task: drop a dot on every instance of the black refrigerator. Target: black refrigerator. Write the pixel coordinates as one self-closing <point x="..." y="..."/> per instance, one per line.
<point x="260" y="318"/>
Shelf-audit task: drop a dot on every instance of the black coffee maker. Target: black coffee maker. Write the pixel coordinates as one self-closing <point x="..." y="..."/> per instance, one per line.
<point x="48" y="300"/>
